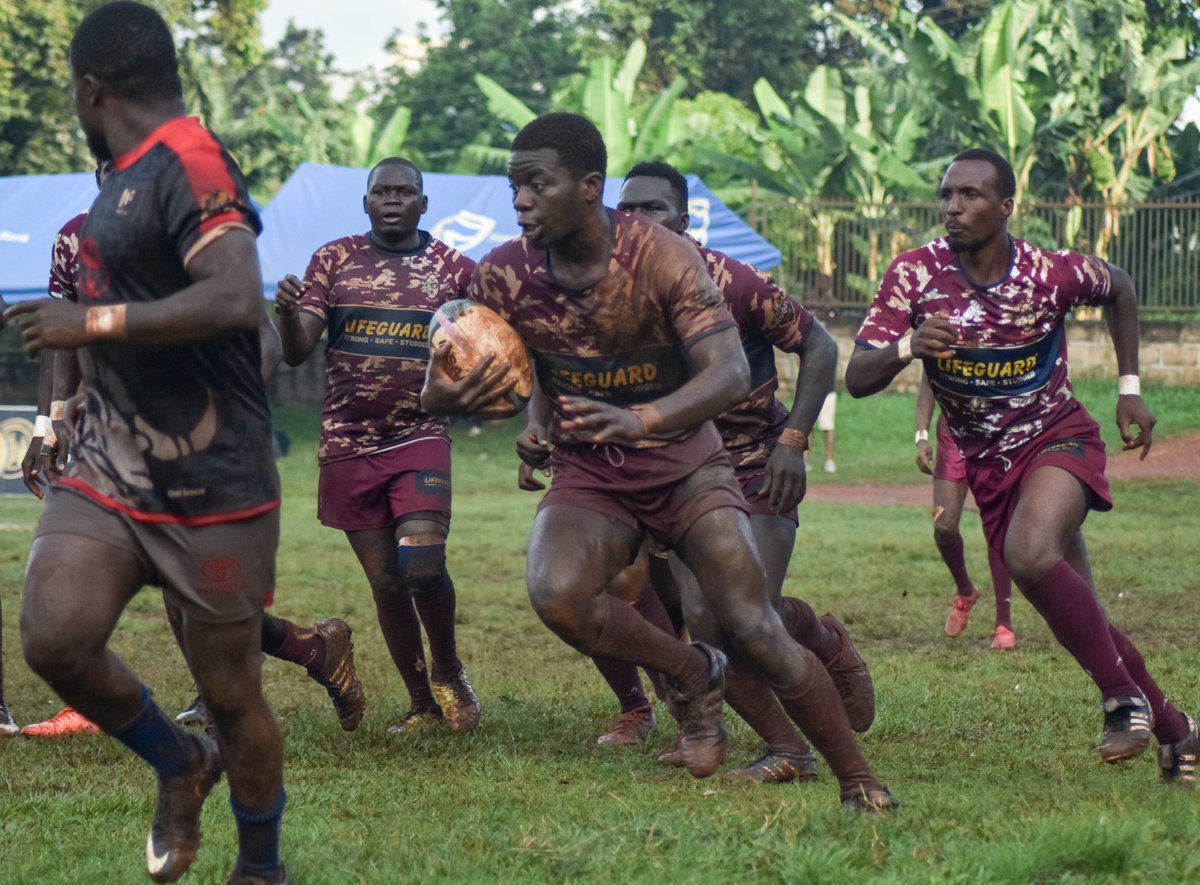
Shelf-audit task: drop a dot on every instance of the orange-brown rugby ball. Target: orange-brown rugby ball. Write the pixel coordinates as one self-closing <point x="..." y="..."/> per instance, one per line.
<point x="473" y="331"/>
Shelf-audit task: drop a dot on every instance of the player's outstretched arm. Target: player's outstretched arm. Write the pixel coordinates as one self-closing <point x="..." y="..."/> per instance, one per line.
<point x="871" y="370"/>
<point x="1121" y="317"/>
<point x="924" y="417"/>
<point x="225" y="297"/>
<point x="299" y="330"/>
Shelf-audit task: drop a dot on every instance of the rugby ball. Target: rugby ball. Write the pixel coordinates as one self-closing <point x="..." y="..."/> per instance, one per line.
<point x="472" y="331"/>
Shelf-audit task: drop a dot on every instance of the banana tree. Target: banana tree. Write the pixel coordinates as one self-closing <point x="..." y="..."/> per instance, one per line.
<point x="606" y="95"/>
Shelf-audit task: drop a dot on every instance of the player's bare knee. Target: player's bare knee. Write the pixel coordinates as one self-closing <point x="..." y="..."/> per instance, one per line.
<point x="57" y="656"/>
<point x="1029" y="558"/>
<point x="944" y="534"/>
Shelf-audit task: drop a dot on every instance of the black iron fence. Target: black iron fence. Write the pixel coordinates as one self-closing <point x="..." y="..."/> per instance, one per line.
<point x="834" y="252"/>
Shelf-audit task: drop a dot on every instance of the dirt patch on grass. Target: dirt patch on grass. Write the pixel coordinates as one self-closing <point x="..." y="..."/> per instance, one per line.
<point x="1177" y="458"/>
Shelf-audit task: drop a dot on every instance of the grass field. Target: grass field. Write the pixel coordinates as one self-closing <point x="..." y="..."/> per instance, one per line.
<point x="993" y="755"/>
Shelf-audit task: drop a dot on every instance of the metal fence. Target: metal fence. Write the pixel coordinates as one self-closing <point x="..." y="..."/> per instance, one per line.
<point x="834" y="252"/>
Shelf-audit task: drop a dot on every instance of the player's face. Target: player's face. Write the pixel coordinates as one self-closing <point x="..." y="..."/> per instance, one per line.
<point x="551" y="200"/>
<point x="653" y="198"/>
<point x="90" y="121"/>
<point x="395" y="203"/>
<point x="972" y="209"/>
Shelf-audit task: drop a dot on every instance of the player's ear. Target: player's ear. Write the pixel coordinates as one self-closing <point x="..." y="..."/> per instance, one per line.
<point x="424" y="203"/>
<point x="364" y="204"/>
<point x="1007" y="207"/>
<point x="592" y="186"/>
<point x="685" y="221"/>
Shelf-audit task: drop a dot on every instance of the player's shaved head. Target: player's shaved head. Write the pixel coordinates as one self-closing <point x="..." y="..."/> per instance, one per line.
<point x="128" y="47"/>
<point x="1006" y="180"/>
<point x="576" y="140"/>
<point x="667" y="172"/>
<point x="397" y="161"/>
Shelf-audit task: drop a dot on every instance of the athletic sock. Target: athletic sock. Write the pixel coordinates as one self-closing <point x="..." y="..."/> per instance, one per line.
<point x="258" y="838"/>
<point x="750" y="696"/>
<point x="803" y="625"/>
<point x="436" y="608"/>
<point x="627" y="636"/>
<point x="622" y="677"/>
<point x="1074" y="615"/>
<point x="402" y="633"/>
<point x="1170" y="725"/>
<point x="290" y="642"/>
<point x="1001" y="586"/>
<point x="650" y="607"/>
<point x="151" y="734"/>
<point x="814" y="705"/>
<point x="951" y="549"/>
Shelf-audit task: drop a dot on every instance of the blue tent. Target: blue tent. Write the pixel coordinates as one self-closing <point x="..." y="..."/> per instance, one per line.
<point x="319" y="203"/>
<point x="472" y="213"/>
<point x="32" y="209"/>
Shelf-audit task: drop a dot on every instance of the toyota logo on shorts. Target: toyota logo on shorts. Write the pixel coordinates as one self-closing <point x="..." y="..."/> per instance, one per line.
<point x="221" y="568"/>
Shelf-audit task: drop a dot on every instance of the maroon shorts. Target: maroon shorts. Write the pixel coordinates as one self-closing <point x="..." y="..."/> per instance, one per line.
<point x="948" y="463"/>
<point x="219" y="573"/>
<point x="376" y="491"/>
<point x="1073" y="444"/>
<point x="661" y="490"/>
<point x="751" y="482"/>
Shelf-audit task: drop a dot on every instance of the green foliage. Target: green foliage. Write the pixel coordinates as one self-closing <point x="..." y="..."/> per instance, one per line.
<point x="525" y="44"/>
<point x="38" y="128"/>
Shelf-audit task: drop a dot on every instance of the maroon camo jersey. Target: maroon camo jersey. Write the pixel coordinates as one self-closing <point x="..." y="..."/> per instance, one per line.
<point x="624" y="340"/>
<point x="62" y="259"/>
<point x="767" y="318"/>
<point x="376" y="305"/>
<point x="1009" y="383"/>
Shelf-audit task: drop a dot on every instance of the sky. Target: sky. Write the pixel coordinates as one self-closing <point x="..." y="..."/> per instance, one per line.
<point x="355" y="30"/>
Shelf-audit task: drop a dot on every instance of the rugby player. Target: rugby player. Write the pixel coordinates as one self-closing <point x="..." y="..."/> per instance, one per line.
<point x="384" y="462"/>
<point x="985" y="314"/>
<point x="949" y="494"/>
<point x="172" y="478"/>
<point x="767" y="445"/>
<point x="635" y="352"/>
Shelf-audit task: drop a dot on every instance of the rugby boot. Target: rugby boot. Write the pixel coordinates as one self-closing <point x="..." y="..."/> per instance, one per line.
<point x="672" y="754"/>
<point x="417" y="720"/>
<point x="873" y="801"/>
<point x="960" y="612"/>
<point x="851" y="678"/>
<point x="237" y="877"/>
<point x="1127" y="725"/>
<point x="337" y="675"/>
<point x="631" y="728"/>
<point x="1004" y="639"/>
<point x="1177" y="762"/>
<point x="777" y="768"/>
<point x="197" y="714"/>
<point x="7" y="726"/>
<point x="65" y="722"/>
<point x="458" y="702"/>
<point x="702" y="718"/>
<point x="175" y="834"/>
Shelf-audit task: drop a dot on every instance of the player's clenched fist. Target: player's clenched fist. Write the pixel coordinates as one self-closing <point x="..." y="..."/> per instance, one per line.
<point x="49" y="323"/>
<point x="288" y="294"/>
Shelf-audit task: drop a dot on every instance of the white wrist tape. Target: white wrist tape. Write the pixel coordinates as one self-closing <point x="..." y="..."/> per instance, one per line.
<point x="41" y="425"/>
<point x="1129" y="385"/>
<point x="904" y="348"/>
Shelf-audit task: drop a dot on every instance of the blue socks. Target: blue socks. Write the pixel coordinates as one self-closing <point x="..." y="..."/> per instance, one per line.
<point x="168" y="749"/>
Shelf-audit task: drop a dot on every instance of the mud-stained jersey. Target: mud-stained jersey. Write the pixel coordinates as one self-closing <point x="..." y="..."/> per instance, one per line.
<point x="376" y="305"/>
<point x="624" y="340"/>
<point x="767" y="318"/>
<point x="62" y="259"/>
<point x="1008" y="382"/>
<point x="169" y="433"/>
